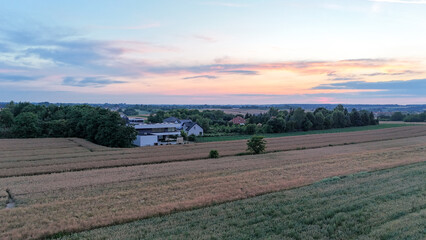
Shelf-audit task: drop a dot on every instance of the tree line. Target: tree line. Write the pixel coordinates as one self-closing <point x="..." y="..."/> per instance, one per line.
<point x="216" y="122"/>
<point x="95" y="124"/>
<point x="410" y="117"/>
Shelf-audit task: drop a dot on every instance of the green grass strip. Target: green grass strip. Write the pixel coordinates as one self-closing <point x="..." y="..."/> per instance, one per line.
<point x="273" y="135"/>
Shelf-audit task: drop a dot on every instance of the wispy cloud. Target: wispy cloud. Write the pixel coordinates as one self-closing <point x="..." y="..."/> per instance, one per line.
<point x="330" y="68"/>
<point x="17" y="78"/>
<point x="88" y="82"/>
<point x="413" y="87"/>
<point x="134" y="27"/>
<point x="344" y="79"/>
<point x="204" y="38"/>
<point x="241" y="72"/>
<point x="201" y="76"/>
<point x="406" y="72"/>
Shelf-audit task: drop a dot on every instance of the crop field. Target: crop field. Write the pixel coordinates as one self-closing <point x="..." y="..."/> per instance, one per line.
<point x="20" y="157"/>
<point x="386" y="204"/>
<point x="48" y="204"/>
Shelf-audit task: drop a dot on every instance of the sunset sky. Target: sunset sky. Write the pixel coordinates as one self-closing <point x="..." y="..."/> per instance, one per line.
<point x="213" y="52"/>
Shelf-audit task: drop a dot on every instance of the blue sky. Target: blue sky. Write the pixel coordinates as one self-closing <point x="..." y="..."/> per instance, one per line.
<point x="215" y="52"/>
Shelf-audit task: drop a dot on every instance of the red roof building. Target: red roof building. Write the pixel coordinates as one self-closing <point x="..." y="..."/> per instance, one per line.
<point x="238" y="120"/>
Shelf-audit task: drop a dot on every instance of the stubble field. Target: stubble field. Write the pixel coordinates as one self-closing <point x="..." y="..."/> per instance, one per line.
<point x="75" y="201"/>
<point x="20" y="157"/>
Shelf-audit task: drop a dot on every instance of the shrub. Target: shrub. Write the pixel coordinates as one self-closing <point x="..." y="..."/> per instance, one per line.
<point x="256" y="144"/>
<point x="191" y="137"/>
<point x="214" y="154"/>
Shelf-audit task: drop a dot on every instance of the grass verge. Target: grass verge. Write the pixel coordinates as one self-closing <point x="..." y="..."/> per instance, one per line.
<point x="274" y="135"/>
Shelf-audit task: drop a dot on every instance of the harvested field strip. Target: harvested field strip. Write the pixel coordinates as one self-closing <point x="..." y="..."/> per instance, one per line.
<point x="387" y="204"/>
<point x="32" y="143"/>
<point x="39" y="161"/>
<point x="75" y="201"/>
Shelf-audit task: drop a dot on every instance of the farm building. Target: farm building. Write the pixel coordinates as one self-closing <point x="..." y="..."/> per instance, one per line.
<point x="157" y="134"/>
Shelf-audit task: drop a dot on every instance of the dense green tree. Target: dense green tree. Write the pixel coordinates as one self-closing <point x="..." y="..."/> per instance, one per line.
<point x="311" y="117"/>
<point x="299" y="116"/>
<point x="213" y="154"/>
<point x="307" y="125"/>
<point x="277" y="124"/>
<point x="273" y="112"/>
<point x="328" y="121"/>
<point x="397" y="116"/>
<point x="355" y="118"/>
<point x="339" y="108"/>
<point x="365" y="118"/>
<point x="290" y="126"/>
<point x="251" y="129"/>
<point x="256" y="144"/>
<point x="319" y="120"/>
<point x="338" y="119"/>
<point x="131" y="112"/>
<point x="6" y="118"/>
<point x="95" y="124"/>
<point x="415" y="117"/>
<point x="27" y="125"/>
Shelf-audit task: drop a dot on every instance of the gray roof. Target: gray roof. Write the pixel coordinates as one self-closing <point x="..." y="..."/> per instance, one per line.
<point x="189" y="125"/>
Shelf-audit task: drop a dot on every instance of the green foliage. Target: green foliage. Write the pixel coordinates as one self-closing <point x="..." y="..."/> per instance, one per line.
<point x="338" y="119"/>
<point x="415" y="117"/>
<point x="277" y="124"/>
<point x="131" y="112"/>
<point x="191" y="137"/>
<point x="213" y="154"/>
<point x="184" y="135"/>
<point x="355" y="118"/>
<point x="27" y="125"/>
<point x="256" y="144"/>
<point x="95" y="124"/>
<point x="251" y="129"/>
<point x="397" y="116"/>
<point x="307" y="125"/>
<point x="6" y="118"/>
<point x="319" y="121"/>
<point x="216" y="122"/>
<point x="298" y="117"/>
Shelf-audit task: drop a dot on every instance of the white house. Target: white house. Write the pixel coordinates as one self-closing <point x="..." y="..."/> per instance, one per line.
<point x="193" y="128"/>
<point x="186" y="125"/>
<point x="157" y="134"/>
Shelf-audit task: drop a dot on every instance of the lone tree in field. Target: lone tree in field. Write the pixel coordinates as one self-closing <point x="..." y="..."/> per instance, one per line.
<point x="214" y="154"/>
<point x="256" y="145"/>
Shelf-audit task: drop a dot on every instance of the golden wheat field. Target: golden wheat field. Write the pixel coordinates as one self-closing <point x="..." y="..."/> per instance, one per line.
<point x="171" y="178"/>
<point x="20" y="157"/>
